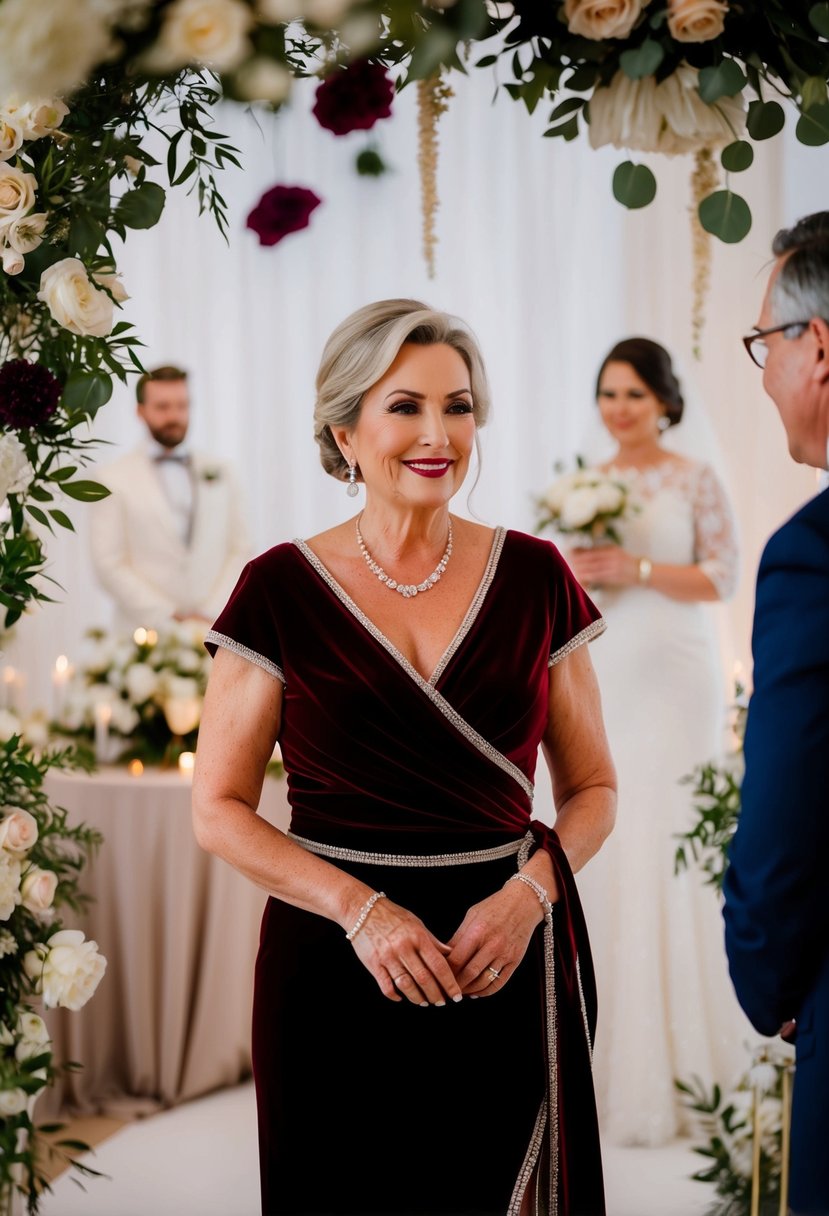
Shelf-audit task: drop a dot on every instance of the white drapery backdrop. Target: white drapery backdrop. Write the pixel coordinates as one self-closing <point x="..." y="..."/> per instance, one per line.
<point x="533" y="252"/>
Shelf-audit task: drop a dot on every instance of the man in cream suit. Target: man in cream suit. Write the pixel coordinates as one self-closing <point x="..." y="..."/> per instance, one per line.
<point x="170" y="540"/>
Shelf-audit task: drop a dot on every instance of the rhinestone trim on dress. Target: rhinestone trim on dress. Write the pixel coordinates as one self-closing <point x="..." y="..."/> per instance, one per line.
<point x="220" y="639"/>
<point x="416" y="860"/>
<point x="585" y="635"/>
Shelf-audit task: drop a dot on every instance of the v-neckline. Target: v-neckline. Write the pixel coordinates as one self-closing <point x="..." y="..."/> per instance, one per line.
<point x="463" y="629"/>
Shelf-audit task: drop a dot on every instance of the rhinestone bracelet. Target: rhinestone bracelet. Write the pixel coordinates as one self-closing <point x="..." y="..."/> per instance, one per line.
<point x="543" y="898"/>
<point x="364" y="913"/>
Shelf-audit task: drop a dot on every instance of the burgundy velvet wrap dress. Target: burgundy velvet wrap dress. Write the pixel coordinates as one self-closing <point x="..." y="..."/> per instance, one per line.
<point x="423" y="789"/>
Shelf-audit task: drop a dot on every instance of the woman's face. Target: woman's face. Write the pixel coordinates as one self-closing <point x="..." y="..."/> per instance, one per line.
<point x="630" y="409"/>
<point x="416" y="430"/>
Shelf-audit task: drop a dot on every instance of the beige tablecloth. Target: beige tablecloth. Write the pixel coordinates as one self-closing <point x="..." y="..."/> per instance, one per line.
<point x="171" y="1017"/>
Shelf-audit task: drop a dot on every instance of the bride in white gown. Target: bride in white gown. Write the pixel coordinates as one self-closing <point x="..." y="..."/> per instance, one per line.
<point x="666" y="1007"/>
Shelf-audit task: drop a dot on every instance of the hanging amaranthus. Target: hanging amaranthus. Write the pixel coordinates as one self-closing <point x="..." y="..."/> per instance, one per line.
<point x="432" y="101"/>
<point x="704" y="179"/>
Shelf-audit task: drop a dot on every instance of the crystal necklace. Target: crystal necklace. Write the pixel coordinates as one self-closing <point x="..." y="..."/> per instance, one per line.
<point x="405" y="589"/>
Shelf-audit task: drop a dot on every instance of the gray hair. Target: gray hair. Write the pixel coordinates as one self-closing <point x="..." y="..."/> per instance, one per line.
<point x="801" y="288"/>
<point x="361" y="350"/>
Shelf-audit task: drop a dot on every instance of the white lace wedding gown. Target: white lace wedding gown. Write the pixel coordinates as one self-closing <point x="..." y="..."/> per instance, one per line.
<point x="666" y="1007"/>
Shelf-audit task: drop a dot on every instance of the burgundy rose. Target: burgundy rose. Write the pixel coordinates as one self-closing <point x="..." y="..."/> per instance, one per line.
<point x="29" y="394"/>
<point x="280" y="211"/>
<point x="353" y="98"/>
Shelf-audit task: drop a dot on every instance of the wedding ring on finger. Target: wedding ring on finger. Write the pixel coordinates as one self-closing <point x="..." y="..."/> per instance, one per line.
<point x="493" y="974"/>
<point x="398" y="979"/>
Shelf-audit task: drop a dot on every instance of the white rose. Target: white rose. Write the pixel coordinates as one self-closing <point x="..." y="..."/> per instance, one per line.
<point x="210" y="32"/>
<point x="187" y="660"/>
<point x="263" y="79"/>
<point x="37" y="890"/>
<point x="579" y="508"/>
<point x="11" y="136"/>
<point x="141" y="682"/>
<point x="67" y="969"/>
<point x="696" y="20"/>
<point x="112" y="282"/>
<point x="670" y="117"/>
<point x="9" y="725"/>
<point x="124" y="717"/>
<point x="49" y="51"/>
<point x="39" y="118"/>
<point x="26" y="234"/>
<point x="73" y="301"/>
<point x="17" y="192"/>
<point x="600" y="19"/>
<point x="609" y="497"/>
<point x="18" y="831"/>
<point x="12" y="1102"/>
<point x="9" y="884"/>
<point x="32" y="1028"/>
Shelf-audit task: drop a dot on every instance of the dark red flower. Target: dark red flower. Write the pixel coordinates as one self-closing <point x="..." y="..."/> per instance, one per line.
<point x="281" y="211"/>
<point x="29" y="394"/>
<point x="353" y="98"/>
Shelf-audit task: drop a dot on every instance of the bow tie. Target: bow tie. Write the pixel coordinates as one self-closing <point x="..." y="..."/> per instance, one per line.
<point x="179" y="457"/>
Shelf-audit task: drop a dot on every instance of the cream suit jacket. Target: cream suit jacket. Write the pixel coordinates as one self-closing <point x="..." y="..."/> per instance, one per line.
<point x="138" y="555"/>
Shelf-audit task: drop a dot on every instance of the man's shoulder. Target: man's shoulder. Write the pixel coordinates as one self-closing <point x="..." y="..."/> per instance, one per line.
<point x="806" y="532"/>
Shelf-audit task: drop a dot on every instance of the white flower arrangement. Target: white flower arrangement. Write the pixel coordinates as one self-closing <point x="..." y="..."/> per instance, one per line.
<point x="756" y="1106"/>
<point x="586" y="503"/>
<point x="149" y="687"/>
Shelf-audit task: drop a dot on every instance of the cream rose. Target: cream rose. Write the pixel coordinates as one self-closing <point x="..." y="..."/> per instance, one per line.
<point x="17" y="193"/>
<point x="212" y="32"/>
<point x="9" y="884"/>
<point x="18" y="831"/>
<point x="16" y="474"/>
<point x="696" y="20"/>
<point x="11" y="136"/>
<point x="66" y="970"/>
<point x="37" y="890"/>
<point x="580" y="507"/>
<point x="600" y="19"/>
<point x="112" y="282"/>
<point x="74" y="301"/>
<point x="49" y="51"/>
<point x="670" y="117"/>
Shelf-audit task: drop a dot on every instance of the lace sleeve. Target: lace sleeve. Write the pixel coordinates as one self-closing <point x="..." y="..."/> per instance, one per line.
<point x="715" y="533"/>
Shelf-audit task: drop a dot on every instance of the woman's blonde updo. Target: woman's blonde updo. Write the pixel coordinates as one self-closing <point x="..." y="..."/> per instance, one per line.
<point x="361" y="350"/>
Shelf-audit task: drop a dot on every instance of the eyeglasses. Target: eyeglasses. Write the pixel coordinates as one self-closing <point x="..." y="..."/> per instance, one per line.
<point x="758" y="349"/>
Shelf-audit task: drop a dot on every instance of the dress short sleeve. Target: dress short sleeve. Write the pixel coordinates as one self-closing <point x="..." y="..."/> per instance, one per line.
<point x="576" y="619"/>
<point x="245" y="625"/>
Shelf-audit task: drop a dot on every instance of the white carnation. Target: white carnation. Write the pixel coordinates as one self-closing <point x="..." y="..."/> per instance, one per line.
<point x="66" y="970"/>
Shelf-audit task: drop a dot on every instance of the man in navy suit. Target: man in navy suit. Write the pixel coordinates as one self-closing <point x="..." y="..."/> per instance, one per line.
<point x="776" y="890"/>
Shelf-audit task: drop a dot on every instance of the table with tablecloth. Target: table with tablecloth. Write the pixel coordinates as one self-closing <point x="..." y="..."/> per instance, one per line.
<point x="179" y="928"/>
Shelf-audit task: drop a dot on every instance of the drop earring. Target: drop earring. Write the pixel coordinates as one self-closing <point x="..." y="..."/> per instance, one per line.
<point x="664" y="422"/>
<point x="353" y="489"/>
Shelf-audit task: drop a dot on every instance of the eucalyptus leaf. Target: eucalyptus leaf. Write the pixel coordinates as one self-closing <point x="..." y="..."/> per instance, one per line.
<point x="643" y="60"/>
<point x="634" y="185"/>
<point x="86" y="392"/>
<point x="813" y="92"/>
<point x="813" y="126"/>
<point x="726" y="79"/>
<point x="819" y="18"/>
<point x="141" y="207"/>
<point x="765" y="119"/>
<point x="737" y="156"/>
<point x="725" y="215"/>
<point x="85" y="491"/>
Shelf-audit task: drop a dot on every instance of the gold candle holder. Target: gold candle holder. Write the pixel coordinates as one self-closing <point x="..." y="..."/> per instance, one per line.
<point x="785" y="1141"/>
<point x="755" y="1155"/>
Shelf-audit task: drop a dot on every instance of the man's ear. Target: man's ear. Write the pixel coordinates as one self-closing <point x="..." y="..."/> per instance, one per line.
<point x="820" y="332"/>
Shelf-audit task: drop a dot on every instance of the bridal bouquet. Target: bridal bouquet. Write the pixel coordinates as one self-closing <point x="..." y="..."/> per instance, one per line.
<point x="586" y="503"/>
<point x="137" y="696"/>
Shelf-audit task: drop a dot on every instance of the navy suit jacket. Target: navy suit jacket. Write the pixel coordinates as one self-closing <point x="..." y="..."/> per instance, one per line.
<point x="777" y="883"/>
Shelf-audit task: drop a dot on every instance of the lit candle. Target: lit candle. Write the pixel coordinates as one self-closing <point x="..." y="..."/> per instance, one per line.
<point x="186" y="763"/>
<point x="60" y="678"/>
<point x="140" y="637"/>
<point x="135" y="768"/>
<point x="103" y="717"/>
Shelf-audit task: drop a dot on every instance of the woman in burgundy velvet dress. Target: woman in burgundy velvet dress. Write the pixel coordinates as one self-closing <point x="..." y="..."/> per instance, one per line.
<point x="424" y="1000"/>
